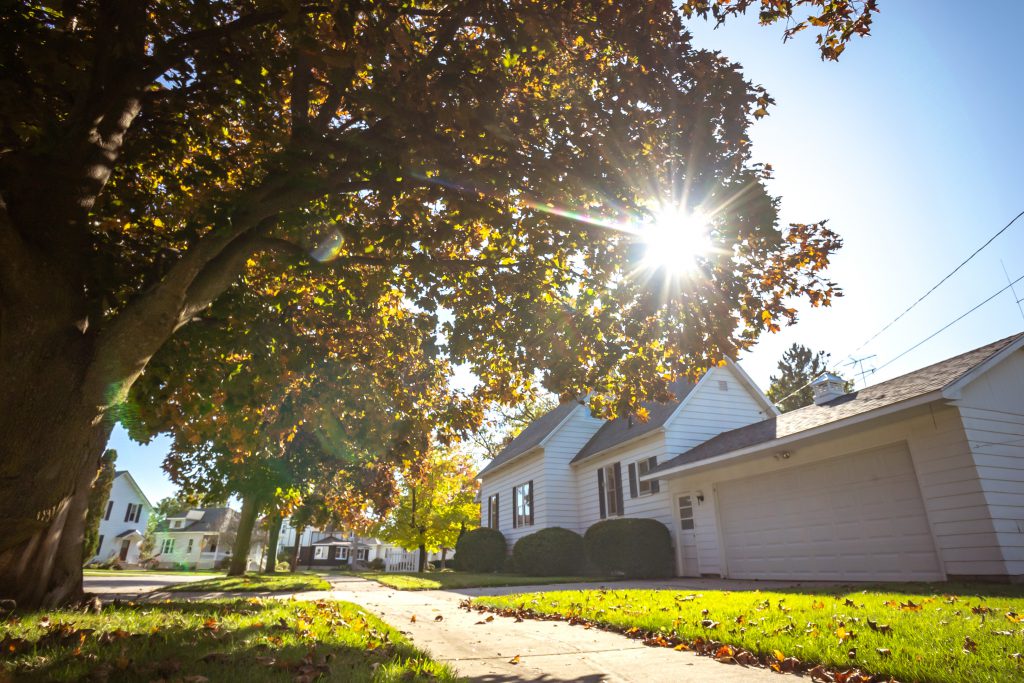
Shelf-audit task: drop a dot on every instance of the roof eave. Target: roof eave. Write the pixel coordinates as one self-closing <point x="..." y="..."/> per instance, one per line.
<point x="798" y="436"/>
<point x="954" y="390"/>
<point x="605" y="451"/>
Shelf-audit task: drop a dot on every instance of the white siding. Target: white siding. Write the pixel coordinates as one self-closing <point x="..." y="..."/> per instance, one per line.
<point x="992" y="411"/>
<point x="560" y="483"/>
<point x="122" y="492"/>
<point x="656" y="506"/>
<point x="710" y="410"/>
<point x="528" y="467"/>
<point x="954" y="501"/>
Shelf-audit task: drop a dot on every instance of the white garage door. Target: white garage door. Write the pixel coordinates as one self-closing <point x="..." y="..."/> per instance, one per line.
<point x="858" y="517"/>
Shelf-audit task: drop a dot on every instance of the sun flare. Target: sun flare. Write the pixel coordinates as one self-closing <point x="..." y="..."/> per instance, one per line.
<point x="675" y="238"/>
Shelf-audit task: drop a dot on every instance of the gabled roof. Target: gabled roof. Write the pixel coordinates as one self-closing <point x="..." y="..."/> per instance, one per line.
<point x="532" y="436"/>
<point x="914" y="385"/>
<point x="130" y="532"/>
<point x="623" y="429"/>
<point x="135" y="485"/>
<point x="213" y="520"/>
<point x="331" y="540"/>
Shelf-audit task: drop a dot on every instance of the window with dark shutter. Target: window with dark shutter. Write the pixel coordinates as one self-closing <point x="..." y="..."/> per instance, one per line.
<point x="618" y="488"/>
<point x="129" y="512"/>
<point x="514" y="516"/>
<point x="530" y="484"/>
<point x="110" y="508"/>
<point x="633" y="493"/>
<point x="644" y="467"/>
<point x="600" y="492"/>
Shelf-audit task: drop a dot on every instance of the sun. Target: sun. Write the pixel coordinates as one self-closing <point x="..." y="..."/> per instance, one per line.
<point x="675" y="238"/>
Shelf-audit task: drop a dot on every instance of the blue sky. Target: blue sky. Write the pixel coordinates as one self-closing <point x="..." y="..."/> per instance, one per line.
<point x="911" y="145"/>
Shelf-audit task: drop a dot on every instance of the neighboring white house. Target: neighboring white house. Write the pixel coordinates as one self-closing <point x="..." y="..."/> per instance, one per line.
<point x="197" y="539"/>
<point x="917" y="478"/>
<point x="123" y="524"/>
<point x="339" y="547"/>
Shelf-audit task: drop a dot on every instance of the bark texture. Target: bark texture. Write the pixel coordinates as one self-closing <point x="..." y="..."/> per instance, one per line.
<point x="246" y="524"/>
<point x="273" y="536"/>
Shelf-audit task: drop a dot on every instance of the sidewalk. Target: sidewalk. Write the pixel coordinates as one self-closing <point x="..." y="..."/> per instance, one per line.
<point x="548" y="651"/>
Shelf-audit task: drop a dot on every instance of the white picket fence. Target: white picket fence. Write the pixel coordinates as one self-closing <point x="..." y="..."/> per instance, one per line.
<point x="397" y="560"/>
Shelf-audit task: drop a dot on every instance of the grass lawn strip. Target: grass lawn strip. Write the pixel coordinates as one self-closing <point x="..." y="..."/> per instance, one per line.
<point x="256" y="582"/>
<point x="942" y="637"/>
<point x="194" y="642"/>
<point x="442" y="580"/>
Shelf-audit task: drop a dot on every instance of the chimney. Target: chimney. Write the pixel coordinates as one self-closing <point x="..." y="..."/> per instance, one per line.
<point x="827" y="387"/>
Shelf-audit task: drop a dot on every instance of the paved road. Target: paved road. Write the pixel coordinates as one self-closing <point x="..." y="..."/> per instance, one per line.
<point x="549" y="652"/>
<point x="131" y="585"/>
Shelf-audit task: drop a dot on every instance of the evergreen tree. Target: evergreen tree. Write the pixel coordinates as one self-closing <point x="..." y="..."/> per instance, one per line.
<point x="98" y="495"/>
<point x="791" y="388"/>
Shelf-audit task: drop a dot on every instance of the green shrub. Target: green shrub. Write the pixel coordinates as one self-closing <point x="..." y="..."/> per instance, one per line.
<point x="634" y="548"/>
<point x="549" y="552"/>
<point x="283" y="567"/>
<point x="481" y="550"/>
<point x="376" y="564"/>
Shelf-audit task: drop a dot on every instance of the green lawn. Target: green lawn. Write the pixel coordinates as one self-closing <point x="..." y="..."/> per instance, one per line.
<point x="436" y="580"/>
<point x="299" y="581"/>
<point x="195" y="642"/>
<point x="912" y="633"/>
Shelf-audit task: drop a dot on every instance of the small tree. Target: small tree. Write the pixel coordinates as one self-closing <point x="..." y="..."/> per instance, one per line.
<point x="98" y="496"/>
<point x="791" y="389"/>
<point x="436" y="504"/>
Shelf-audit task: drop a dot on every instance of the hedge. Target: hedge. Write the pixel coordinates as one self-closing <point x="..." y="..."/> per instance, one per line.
<point x="549" y="552"/>
<point x="481" y="550"/>
<point x="634" y="548"/>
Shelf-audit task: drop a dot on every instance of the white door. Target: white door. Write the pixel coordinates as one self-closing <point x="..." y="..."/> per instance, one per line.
<point x="855" y="517"/>
<point x="687" y="536"/>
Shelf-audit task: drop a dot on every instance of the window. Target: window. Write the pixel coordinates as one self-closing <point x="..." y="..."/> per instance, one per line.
<point x="320" y="552"/>
<point x="189" y="550"/>
<point x="138" y="512"/>
<point x="492" y="511"/>
<point x="362" y="554"/>
<point x="643" y="467"/>
<point x="110" y="508"/>
<point x="340" y="553"/>
<point x="685" y="513"/>
<point x="176" y="524"/>
<point x="167" y="547"/>
<point x="129" y="513"/>
<point x="609" y="490"/>
<point x="522" y="504"/>
<point x="99" y="546"/>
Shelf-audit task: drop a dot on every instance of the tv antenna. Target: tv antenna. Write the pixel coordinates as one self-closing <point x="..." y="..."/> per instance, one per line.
<point x="861" y="370"/>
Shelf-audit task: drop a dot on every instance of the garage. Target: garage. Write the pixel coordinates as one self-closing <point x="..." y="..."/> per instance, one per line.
<point x="857" y="517"/>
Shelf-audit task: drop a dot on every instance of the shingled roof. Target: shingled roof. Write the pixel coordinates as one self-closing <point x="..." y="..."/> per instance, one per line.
<point x="529" y="438"/>
<point x="623" y="429"/>
<point x="904" y="388"/>
<point x="213" y="519"/>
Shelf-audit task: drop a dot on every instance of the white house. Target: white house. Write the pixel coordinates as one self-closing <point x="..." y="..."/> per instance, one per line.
<point x="123" y="524"/>
<point x="339" y="547"/>
<point x="917" y="478"/>
<point x="196" y="539"/>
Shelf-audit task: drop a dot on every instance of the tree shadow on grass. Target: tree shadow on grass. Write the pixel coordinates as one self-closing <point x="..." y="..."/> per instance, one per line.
<point x="274" y="641"/>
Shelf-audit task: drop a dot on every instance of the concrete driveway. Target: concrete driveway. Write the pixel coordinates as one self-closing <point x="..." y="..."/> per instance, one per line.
<point x="548" y="651"/>
<point x="132" y="585"/>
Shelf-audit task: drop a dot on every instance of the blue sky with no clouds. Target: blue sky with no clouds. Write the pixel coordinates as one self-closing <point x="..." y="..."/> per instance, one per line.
<point x="911" y="145"/>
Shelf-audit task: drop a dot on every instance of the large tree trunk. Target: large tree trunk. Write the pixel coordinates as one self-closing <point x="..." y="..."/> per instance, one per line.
<point x="53" y="429"/>
<point x="296" y="547"/>
<point x="422" y="559"/>
<point x="240" y="551"/>
<point x="273" y="536"/>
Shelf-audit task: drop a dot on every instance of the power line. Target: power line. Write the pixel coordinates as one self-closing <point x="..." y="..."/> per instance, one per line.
<point x="950" y="324"/>
<point x="938" y="284"/>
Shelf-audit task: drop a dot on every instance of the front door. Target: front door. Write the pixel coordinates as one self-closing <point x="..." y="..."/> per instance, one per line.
<point x="687" y="537"/>
<point x="125" y="545"/>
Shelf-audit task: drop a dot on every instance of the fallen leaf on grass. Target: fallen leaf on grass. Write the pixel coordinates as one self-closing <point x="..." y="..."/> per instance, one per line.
<point x="909" y="606"/>
<point x="884" y="652"/>
<point x="681" y="646"/>
<point x="969" y="645"/>
<point x="819" y="673"/>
